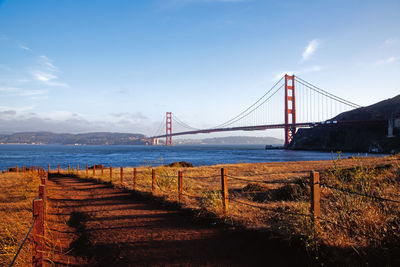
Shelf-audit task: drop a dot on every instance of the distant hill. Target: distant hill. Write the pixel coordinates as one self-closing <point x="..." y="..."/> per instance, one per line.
<point x="231" y="140"/>
<point x="99" y="138"/>
<point x="359" y="138"/>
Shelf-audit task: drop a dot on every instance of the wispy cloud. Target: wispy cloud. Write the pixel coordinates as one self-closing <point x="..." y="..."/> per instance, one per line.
<point x="24" y="47"/>
<point x="386" y="61"/>
<point x="43" y="76"/>
<point x="299" y="71"/>
<point x="310" y="49"/>
<point x="15" y="91"/>
<point x="48" y="63"/>
<point x="46" y="73"/>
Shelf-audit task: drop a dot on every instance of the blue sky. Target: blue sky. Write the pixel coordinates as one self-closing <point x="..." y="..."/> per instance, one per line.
<point x="80" y="66"/>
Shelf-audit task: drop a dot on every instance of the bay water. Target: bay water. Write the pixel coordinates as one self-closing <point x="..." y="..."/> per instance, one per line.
<point x="134" y="156"/>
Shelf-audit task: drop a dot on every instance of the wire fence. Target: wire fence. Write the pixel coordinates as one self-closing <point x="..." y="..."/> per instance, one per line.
<point x="37" y="225"/>
<point x="360" y="194"/>
<point x="263" y="181"/>
<point x="23" y="242"/>
<point x="312" y="181"/>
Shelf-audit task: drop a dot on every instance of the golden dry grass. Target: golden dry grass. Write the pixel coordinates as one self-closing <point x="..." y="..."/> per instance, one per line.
<point x="17" y="192"/>
<point x="348" y="221"/>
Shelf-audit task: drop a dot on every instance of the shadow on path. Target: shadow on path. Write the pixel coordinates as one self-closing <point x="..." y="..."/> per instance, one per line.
<point x="123" y="229"/>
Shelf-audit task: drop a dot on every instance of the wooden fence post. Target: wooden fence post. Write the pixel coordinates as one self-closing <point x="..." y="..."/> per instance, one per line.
<point x="224" y="190"/>
<point x="153" y="179"/>
<point x="8" y="169"/>
<point x="94" y="170"/>
<point x="134" y="178"/>
<point x="69" y="168"/>
<point x="77" y="169"/>
<point x="38" y="233"/>
<point x="17" y="169"/>
<point x="43" y="196"/>
<point x="111" y="174"/>
<point x="87" y="171"/>
<point x="48" y="168"/>
<point x="102" y="170"/>
<point x="122" y="174"/>
<point x="23" y="168"/>
<point x="180" y="183"/>
<point x="58" y="170"/>
<point x="315" y="198"/>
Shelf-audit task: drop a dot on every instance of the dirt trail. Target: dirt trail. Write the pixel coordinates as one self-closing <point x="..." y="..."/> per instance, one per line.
<point x="94" y="224"/>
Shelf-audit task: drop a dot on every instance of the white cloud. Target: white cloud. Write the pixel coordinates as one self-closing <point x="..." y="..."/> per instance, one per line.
<point x="386" y="61"/>
<point x="14" y="91"/>
<point x="24" y="47"/>
<point x="45" y="73"/>
<point x="310" y="49"/>
<point x="32" y="92"/>
<point x="298" y="72"/>
<point x="47" y="63"/>
<point x="43" y="76"/>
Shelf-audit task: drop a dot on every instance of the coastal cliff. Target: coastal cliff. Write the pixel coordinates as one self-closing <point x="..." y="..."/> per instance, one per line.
<point x="372" y="136"/>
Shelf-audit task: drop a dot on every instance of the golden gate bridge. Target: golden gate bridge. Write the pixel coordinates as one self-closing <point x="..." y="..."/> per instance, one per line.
<point x="303" y="105"/>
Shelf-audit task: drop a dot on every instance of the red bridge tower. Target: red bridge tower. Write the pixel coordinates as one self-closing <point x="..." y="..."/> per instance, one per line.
<point x="168" y="129"/>
<point x="290" y="109"/>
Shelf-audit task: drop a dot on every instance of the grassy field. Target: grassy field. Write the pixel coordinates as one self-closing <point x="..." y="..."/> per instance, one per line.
<point x="16" y="195"/>
<point x="276" y="197"/>
<point x="362" y="228"/>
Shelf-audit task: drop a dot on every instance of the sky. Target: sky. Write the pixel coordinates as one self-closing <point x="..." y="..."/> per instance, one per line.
<point x="83" y="66"/>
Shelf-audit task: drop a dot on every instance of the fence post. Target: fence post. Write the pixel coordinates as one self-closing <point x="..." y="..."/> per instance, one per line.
<point x="17" y="169"/>
<point x="77" y="169"/>
<point x="315" y="198"/>
<point x="153" y="183"/>
<point x="23" y="168"/>
<point x="87" y="171"/>
<point x="111" y="174"/>
<point x="224" y="190"/>
<point x="38" y="233"/>
<point x="69" y="168"/>
<point x="102" y="170"/>
<point x="134" y="178"/>
<point x="58" y="170"/>
<point x="180" y="183"/>
<point x="43" y="196"/>
<point x="8" y="169"/>
<point x="48" y="168"/>
<point x="94" y="170"/>
<point x="122" y="174"/>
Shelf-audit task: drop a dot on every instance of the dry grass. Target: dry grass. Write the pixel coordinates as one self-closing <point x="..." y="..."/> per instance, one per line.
<point x="349" y="221"/>
<point x="18" y="191"/>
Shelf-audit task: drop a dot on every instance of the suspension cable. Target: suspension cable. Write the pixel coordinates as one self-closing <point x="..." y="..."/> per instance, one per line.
<point x="344" y="101"/>
<point x="229" y="121"/>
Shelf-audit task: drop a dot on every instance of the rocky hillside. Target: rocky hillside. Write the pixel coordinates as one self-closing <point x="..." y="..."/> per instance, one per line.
<point x="369" y="137"/>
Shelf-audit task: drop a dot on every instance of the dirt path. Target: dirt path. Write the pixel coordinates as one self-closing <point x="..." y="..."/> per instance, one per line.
<point x="97" y="225"/>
